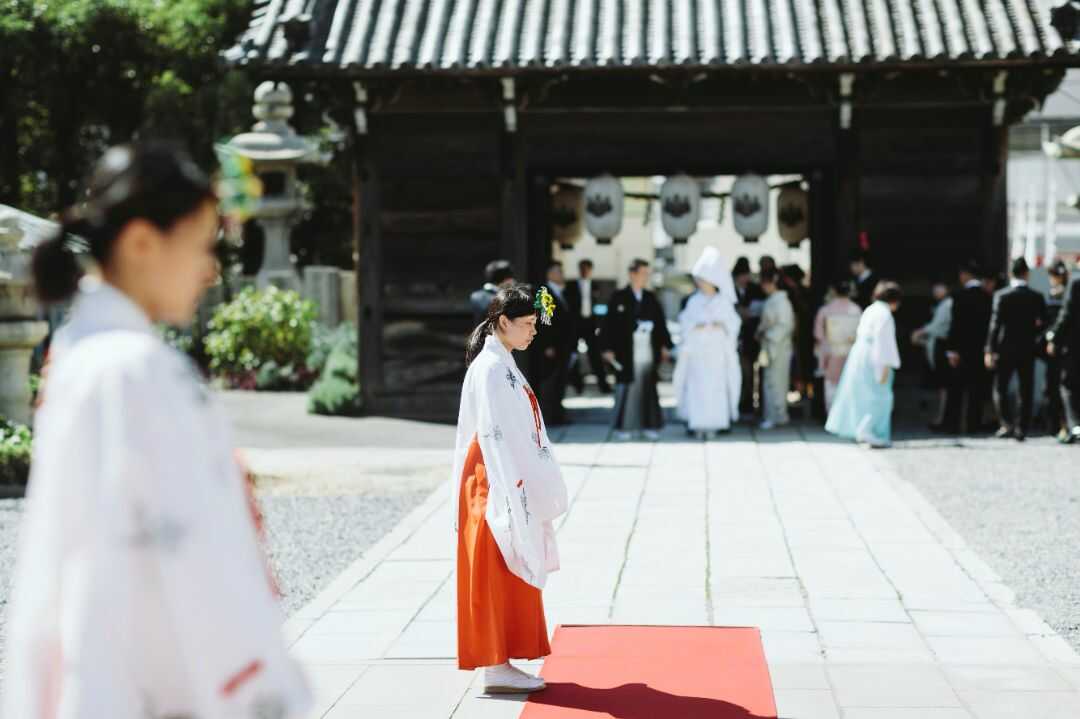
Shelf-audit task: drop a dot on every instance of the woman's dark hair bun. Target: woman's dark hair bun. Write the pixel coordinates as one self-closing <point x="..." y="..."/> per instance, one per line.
<point x="56" y="269"/>
<point x="155" y="181"/>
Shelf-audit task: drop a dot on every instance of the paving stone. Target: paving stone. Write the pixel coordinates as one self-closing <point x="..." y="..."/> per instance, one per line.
<point x="920" y="713"/>
<point x="1025" y="705"/>
<point x="806" y="704"/>
<point x="991" y="678"/>
<point x="891" y="685"/>
<point x="964" y="624"/>
<point x="984" y="650"/>
<point x="784" y="619"/>
<point x="859" y="610"/>
<point x="794" y="675"/>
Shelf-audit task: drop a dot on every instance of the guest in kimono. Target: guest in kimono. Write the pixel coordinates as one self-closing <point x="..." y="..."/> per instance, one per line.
<point x="509" y="491"/>
<point x="140" y="590"/>
<point x="707" y="376"/>
<point x="932" y="336"/>
<point x="776" y="334"/>
<point x="863" y="406"/>
<point x="636" y="341"/>
<point x="834" y="335"/>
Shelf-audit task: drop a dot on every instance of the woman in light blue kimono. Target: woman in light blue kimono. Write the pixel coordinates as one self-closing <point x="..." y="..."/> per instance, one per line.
<point x="862" y="409"/>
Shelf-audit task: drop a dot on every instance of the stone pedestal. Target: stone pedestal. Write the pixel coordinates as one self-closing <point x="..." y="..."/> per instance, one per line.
<point x="350" y="301"/>
<point x="277" y="268"/>
<point x="322" y="285"/>
<point x="18" y="338"/>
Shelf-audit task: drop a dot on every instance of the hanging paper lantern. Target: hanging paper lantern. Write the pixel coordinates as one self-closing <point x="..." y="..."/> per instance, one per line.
<point x="792" y="215"/>
<point x="604" y="208"/>
<point x="566" y="209"/>
<point x="750" y="205"/>
<point x="680" y="206"/>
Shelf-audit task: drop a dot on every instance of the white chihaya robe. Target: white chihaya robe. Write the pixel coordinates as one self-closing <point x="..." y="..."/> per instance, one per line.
<point x="526" y="489"/>
<point x="708" y="378"/>
<point x="140" y="590"/>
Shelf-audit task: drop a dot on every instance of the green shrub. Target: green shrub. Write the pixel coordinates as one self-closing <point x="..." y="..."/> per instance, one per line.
<point x="180" y="340"/>
<point x="16" y="444"/>
<point x="337" y="391"/>
<point x="324" y="340"/>
<point x="261" y="340"/>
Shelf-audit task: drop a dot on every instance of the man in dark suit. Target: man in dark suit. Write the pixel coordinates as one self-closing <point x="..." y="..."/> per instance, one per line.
<point x="497" y="274"/>
<point x="1063" y="342"/>
<point x="865" y="278"/>
<point x="751" y="299"/>
<point x="1016" y="319"/>
<point x="553" y="346"/>
<point x="634" y="311"/>
<point x="964" y="351"/>
<point x="582" y="296"/>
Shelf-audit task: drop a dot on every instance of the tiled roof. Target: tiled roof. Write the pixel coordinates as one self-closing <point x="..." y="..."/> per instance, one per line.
<point x="471" y="35"/>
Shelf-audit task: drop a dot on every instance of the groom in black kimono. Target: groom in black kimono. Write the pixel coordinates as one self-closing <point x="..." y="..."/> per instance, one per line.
<point x="631" y="310"/>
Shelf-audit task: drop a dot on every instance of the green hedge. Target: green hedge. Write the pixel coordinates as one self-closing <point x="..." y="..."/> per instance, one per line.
<point x="337" y="391"/>
<point x="262" y="339"/>
<point x="16" y="444"/>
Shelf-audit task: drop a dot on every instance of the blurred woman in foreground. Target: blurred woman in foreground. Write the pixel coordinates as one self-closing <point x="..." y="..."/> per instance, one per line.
<point x="140" y="590"/>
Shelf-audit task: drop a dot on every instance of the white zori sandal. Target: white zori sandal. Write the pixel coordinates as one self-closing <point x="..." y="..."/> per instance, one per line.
<point x="508" y="679"/>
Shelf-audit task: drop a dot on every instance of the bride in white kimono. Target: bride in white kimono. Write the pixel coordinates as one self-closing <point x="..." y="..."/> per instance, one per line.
<point x="708" y="378"/>
<point x="140" y="590"/>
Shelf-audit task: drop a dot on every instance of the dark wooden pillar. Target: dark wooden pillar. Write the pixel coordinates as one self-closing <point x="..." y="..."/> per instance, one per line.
<point x="994" y="237"/>
<point x="513" y="228"/>
<point x="848" y="173"/>
<point x="367" y="239"/>
<point x="822" y="230"/>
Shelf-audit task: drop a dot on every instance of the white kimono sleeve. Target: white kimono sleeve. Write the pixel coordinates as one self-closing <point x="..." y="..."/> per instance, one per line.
<point x="518" y="457"/>
<point x="884" y="351"/>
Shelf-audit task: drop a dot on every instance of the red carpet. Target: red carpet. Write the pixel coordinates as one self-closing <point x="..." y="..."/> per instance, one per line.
<point x="654" y="673"/>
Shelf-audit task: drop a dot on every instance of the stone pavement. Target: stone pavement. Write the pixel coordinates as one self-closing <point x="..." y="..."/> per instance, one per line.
<point x="870" y="605"/>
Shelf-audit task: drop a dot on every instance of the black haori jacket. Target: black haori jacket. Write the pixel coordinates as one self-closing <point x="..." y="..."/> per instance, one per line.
<point x="617" y="330"/>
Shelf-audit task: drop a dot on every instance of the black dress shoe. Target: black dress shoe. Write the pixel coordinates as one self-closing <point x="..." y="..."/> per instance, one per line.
<point x="944" y="429"/>
<point x="1004" y="433"/>
<point x="1019" y="435"/>
<point x="1066" y="437"/>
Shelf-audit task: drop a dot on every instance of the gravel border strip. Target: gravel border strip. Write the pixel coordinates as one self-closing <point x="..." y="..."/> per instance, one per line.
<point x="303" y="619"/>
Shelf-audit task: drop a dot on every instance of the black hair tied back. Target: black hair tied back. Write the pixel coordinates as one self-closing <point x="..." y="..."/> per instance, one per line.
<point x="154" y="181"/>
<point x="513" y="302"/>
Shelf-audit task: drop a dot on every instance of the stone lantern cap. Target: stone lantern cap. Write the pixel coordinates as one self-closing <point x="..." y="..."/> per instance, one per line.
<point x="20" y="233"/>
<point x="272" y="139"/>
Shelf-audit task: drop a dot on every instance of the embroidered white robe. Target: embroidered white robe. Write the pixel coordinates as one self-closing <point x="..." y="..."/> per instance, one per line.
<point x="140" y="590"/>
<point x="526" y="490"/>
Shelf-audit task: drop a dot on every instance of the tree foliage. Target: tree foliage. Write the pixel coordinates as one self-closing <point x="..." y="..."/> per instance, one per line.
<point x="79" y="75"/>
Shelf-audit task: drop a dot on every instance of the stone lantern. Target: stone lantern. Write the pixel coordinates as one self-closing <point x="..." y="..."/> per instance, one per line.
<point x="276" y="152"/>
<point x="20" y="330"/>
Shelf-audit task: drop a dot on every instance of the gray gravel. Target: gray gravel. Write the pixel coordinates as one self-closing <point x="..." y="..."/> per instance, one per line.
<point x="10" y="513"/>
<point x="313" y="539"/>
<point x="1017" y="505"/>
